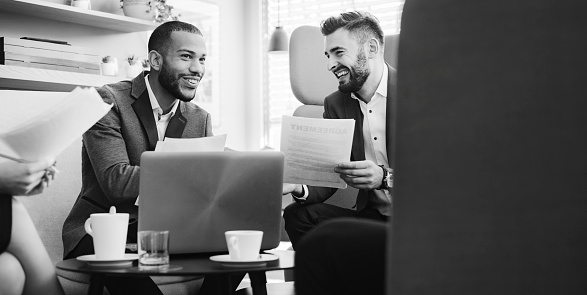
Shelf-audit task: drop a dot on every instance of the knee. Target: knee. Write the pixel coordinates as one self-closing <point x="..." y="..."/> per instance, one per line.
<point x="12" y="276"/>
<point x="327" y="234"/>
<point x="291" y="213"/>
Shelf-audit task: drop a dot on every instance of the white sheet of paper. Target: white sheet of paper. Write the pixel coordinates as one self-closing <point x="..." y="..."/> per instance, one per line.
<point x="44" y="134"/>
<point x="313" y="147"/>
<point x="200" y="144"/>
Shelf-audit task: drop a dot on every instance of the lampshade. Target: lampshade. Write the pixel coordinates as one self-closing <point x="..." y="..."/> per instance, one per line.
<point x="279" y="40"/>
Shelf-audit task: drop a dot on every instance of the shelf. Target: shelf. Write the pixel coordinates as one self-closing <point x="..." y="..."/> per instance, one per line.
<point x="21" y="78"/>
<point x="65" y="13"/>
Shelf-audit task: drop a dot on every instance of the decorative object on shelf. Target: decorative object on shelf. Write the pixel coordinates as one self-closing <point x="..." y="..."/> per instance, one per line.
<point x="109" y="66"/>
<point x="145" y="64"/>
<point x="133" y="66"/>
<point x="279" y="41"/>
<point x="143" y="9"/>
<point x="165" y="12"/>
<point x="157" y="10"/>
<point x="83" y="4"/>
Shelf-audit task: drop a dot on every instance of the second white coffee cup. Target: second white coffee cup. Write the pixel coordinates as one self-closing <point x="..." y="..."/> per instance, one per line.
<point x="244" y="245"/>
<point x="108" y="230"/>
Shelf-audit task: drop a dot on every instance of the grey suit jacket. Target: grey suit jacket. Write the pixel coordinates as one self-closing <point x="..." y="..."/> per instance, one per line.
<point x="339" y="105"/>
<point x="112" y="149"/>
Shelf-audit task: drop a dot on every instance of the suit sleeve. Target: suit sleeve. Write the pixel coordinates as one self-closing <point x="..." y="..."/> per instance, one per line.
<point x="106" y="149"/>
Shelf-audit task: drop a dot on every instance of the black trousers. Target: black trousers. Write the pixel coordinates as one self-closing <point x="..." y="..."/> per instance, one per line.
<point x="141" y="285"/>
<point x="342" y="256"/>
<point x="5" y="221"/>
<point x="299" y="219"/>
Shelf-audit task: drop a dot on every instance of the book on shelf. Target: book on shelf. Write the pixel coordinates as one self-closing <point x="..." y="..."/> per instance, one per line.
<point x="47" y="55"/>
<point x="46" y="133"/>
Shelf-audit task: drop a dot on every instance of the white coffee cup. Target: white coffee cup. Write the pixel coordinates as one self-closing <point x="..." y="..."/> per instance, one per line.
<point x="244" y="245"/>
<point x="108" y="230"/>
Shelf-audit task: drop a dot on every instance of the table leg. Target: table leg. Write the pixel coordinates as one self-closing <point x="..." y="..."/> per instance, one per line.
<point x="258" y="282"/>
<point x="96" y="284"/>
<point x="221" y="283"/>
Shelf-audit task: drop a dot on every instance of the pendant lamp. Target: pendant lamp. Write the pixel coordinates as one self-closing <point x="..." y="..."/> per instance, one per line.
<point x="279" y="40"/>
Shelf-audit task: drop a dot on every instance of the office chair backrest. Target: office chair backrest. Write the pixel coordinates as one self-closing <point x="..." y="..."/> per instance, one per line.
<point x="311" y="81"/>
<point x="490" y="191"/>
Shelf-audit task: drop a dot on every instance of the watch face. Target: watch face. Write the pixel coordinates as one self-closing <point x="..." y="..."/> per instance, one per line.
<point x="389" y="178"/>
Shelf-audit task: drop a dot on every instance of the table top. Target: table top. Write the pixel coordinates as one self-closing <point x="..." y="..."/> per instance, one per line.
<point x="193" y="264"/>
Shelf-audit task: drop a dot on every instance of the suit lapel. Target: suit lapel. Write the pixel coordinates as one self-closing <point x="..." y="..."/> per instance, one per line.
<point x="176" y="124"/>
<point x="353" y="111"/>
<point x="142" y="107"/>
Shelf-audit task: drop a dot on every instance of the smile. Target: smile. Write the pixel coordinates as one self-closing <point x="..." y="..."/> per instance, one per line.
<point x="341" y="73"/>
<point x="192" y="81"/>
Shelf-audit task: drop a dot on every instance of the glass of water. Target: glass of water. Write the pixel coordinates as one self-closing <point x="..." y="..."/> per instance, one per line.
<point x="153" y="248"/>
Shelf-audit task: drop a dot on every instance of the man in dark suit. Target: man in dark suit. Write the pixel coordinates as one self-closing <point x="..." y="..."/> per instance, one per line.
<point x="152" y="106"/>
<point x="367" y="93"/>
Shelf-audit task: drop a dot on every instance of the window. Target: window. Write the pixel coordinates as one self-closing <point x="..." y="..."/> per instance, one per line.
<point x="278" y="97"/>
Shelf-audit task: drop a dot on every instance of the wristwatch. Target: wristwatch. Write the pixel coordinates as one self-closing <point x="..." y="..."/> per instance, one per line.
<point x="387" y="181"/>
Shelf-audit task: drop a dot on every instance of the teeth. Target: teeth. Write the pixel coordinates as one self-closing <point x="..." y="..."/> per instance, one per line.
<point x="192" y="81"/>
<point x="341" y="73"/>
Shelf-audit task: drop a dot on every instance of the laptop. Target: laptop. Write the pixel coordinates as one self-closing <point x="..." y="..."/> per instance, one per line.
<point x="198" y="196"/>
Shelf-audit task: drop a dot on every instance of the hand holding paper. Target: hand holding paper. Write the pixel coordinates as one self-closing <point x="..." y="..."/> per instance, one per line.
<point x="313" y="147"/>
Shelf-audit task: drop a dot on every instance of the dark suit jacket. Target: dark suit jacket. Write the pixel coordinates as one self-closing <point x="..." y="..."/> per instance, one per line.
<point x="339" y="105"/>
<point x="112" y="149"/>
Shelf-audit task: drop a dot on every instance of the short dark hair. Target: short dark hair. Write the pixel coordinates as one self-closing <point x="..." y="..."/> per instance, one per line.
<point x="159" y="39"/>
<point x="361" y="24"/>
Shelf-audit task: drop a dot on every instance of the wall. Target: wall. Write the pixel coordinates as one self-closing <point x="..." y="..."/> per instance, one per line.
<point x="240" y="70"/>
<point x="240" y="58"/>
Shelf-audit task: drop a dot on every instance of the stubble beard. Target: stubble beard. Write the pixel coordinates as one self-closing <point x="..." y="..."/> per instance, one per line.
<point x="359" y="73"/>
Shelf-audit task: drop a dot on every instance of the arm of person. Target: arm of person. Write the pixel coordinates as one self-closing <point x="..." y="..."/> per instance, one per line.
<point x="24" y="178"/>
<point x="305" y="194"/>
<point x="106" y="149"/>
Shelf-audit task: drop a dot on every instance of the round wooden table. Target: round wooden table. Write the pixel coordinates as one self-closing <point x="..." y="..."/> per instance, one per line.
<point x="186" y="265"/>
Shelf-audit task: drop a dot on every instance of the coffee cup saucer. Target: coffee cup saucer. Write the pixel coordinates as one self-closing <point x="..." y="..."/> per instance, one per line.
<point x="126" y="260"/>
<point x="226" y="260"/>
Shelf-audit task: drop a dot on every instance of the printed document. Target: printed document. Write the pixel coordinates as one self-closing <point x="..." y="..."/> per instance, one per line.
<point x="33" y="133"/>
<point x="313" y="147"/>
<point x="200" y="144"/>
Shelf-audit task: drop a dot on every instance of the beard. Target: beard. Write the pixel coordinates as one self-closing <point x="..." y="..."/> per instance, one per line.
<point x="170" y="82"/>
<point x="358" y="74"/>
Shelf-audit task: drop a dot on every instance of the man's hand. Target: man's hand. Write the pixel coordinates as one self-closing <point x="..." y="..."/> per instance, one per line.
<point x="360" y="174"/>
<point x="290" y="187"/>
<point x="25" y="178"/>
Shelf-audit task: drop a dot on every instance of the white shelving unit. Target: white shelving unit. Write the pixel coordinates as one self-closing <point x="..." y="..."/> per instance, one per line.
<point x="24" y="78"/>
<point x="76" y="15"/>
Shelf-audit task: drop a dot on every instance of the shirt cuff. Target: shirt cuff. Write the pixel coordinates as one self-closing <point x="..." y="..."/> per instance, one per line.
<point x="304" y="195"/>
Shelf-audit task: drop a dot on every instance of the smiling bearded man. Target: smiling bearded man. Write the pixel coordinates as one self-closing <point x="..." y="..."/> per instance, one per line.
<point x="153" y="106"/>
<point x="354" y="48"/>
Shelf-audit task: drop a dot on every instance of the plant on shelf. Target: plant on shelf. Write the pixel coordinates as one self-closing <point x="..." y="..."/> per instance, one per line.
<point x="109" y="66"/>
<point x="157" y="10"/>
<point x="132" y="59"/>
<point x="134" y="66"/>
<point x="108" y="59"/>
<point x="165" y="12"/>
